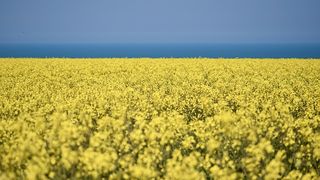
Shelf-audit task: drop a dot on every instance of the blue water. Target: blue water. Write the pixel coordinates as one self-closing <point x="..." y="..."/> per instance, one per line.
<point x="162" y="50"/>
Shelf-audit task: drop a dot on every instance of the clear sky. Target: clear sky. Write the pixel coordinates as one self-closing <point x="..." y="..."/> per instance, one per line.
<point x="160" y="21"/>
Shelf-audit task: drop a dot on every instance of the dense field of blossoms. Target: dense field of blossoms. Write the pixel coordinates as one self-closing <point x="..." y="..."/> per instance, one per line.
<point x="159" y="119"/>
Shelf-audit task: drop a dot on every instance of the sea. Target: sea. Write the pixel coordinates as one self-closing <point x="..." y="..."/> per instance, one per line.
<point x="160" y="50"/>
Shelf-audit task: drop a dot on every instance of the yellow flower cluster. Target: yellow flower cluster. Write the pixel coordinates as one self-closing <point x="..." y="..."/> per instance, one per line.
<point x="159" y="119"/>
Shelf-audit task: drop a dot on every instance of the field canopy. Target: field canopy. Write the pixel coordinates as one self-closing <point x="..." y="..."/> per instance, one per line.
<point x="159" y="118"/>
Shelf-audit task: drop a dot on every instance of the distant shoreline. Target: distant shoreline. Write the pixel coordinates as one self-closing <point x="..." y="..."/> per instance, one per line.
<point x="151" y="59"/>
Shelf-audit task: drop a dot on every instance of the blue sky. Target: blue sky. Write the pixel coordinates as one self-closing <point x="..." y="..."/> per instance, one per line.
<point x="160" y="21"/>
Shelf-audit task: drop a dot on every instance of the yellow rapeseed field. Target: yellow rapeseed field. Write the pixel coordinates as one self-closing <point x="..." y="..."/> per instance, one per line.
<point x="159" y="119"/>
